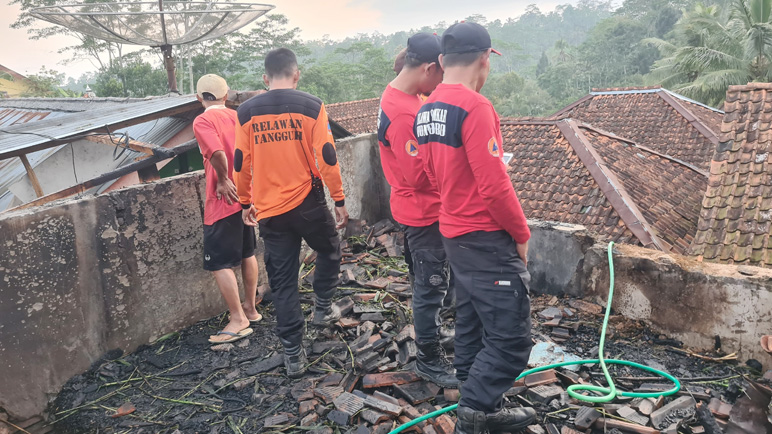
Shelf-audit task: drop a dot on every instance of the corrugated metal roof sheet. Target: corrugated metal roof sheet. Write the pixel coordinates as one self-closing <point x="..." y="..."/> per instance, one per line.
<point x="155" y="132"/>
<point x="20" y="139"/>
<point x="66" y="104"/>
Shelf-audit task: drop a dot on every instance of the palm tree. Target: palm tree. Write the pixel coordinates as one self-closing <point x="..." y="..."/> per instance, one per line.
<point x="712" y="51"/>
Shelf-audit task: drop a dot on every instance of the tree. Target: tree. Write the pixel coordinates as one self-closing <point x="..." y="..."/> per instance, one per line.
<point x="132" y="76"/>
<point x="100" y="53"/>
<point x="46" y="84"/>
<point x="712" y="51"/>
<point x="513" y="95"/>
<point x="543" y="64"/>
<point x="359" y="71"/>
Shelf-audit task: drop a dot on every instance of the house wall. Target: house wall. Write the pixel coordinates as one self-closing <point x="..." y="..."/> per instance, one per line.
<point x="83" y="276"/>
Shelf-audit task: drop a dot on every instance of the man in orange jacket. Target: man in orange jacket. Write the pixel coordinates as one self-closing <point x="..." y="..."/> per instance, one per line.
<point x="281" y="136"/>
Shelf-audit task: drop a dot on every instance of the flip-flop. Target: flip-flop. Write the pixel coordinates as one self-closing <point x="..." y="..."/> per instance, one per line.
<point x="252" y="321"/>
<point x="766" y="343"/>
<point x="234" y="336"/>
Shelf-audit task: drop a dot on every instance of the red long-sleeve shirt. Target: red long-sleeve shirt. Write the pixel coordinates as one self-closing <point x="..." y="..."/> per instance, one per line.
<point x="459" y="137"/>
<point x="414" y="199"/>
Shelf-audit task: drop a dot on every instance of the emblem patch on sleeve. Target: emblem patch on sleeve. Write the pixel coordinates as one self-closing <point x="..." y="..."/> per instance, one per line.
<point x="411" y="147"/>
<point x="493" y="147"/>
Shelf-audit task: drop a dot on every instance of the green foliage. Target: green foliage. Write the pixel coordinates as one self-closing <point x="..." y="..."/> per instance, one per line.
<point x="131" y="76"/>
<point x="46" y="84"/>
<point x="513" y="95"/>
<point x="712" y="48"/>
<point x="358" y="71"/>
<point x="550" y="58"/>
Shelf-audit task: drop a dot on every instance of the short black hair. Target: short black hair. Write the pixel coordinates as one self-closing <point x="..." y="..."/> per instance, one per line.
<point x="208" y="97"/>
<point x="412" y="62"/>
<point x="461" y="59"/>
<point x="281" y="63"/>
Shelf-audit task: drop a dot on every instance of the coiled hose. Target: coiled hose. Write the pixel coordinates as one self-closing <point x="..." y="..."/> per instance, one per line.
<point x="606" y="394"/>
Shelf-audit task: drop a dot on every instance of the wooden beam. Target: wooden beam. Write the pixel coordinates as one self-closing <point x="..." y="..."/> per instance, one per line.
<point x="33" y="179"/>
<point x="134" y="145"/>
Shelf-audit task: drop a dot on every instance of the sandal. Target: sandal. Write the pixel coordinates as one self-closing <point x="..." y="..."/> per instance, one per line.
<point x="234" y="336"/>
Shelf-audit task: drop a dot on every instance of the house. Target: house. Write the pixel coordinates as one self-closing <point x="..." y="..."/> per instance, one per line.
<point x="12" y="84"/>
<point x="653" y="117"/>
<point x="569" y="171"/>
<point x="736" y="216"/>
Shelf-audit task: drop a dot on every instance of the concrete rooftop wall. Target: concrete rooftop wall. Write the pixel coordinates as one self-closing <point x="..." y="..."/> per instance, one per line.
<point x="84" y="276"/>
<point x="678" y="296"/>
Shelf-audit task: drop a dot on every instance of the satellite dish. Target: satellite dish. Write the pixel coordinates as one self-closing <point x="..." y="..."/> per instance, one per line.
<point x="159" y="24"/>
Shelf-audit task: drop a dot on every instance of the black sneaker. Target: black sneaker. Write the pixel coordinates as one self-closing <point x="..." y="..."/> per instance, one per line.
<point x="510" y="419"/>
<point x="325" y="317"/>
<point x="469" y="421"/>
<point x="432" y="365"/>
<point x="296" y="364"/>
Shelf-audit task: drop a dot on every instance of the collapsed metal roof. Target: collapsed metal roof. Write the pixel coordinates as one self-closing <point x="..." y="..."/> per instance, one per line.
<point x="17" y="140"/>
<point x="24" y="116"/>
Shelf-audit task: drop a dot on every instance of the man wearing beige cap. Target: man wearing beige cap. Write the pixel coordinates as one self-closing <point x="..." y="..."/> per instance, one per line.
<point x="228" y="242"/>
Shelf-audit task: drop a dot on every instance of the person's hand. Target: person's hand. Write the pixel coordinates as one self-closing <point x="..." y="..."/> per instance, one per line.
<point x="522" y="251"/>
<point x="249" y="216"/>
<point x="226" y="189"/>
<point x="341" y="216"/>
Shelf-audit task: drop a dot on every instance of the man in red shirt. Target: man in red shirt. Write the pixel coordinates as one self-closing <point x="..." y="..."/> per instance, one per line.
<point x="415" y="201"/>
<point x="228" y="242"/>
<point x="484" y="232"/>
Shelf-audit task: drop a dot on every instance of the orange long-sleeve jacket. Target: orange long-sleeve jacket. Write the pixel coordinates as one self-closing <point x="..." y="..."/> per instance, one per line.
<point x="283" y="137"/>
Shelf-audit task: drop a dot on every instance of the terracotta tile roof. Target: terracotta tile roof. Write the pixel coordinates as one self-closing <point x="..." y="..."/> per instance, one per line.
<point x="653" y="117"/>
<point x="736" y="216"/>
<point x="571" y="172"/>
<point x="356" y="117"/>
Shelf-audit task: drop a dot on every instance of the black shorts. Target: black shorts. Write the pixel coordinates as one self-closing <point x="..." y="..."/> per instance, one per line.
<point x="227" y="242"/>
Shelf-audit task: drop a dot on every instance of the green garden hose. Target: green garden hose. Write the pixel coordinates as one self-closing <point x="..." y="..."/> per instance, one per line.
<point x="607" y="393"/>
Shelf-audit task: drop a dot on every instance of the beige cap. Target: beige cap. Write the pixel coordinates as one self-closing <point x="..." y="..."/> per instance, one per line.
<point x="213" y="84"/>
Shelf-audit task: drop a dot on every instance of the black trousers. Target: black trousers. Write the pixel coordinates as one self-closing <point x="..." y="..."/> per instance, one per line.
<point x="450" y="296"/>
<point x="431" y="271"/>
<point x="310" y="221"/>
<point x="493" y="316"/>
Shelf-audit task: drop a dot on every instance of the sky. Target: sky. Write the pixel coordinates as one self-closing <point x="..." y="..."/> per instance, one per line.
<point x="335" y="18"/>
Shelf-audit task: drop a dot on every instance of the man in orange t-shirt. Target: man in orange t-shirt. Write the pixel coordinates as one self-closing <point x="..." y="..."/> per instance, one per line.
<point x="285" y="150"/>
<point x="228" y="242"/>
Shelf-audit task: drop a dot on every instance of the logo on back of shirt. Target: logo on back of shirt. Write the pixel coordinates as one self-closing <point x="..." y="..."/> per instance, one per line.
<point x="440" y="122"/>
<point x="411" y="147"/>
<point x="493" y="147"/>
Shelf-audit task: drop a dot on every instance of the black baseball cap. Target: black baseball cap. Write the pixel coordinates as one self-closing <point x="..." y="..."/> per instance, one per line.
<point x="466" y="37"/>
<point x="424" y="47"/>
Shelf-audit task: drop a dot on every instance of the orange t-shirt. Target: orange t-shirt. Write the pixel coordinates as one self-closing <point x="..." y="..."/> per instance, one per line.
<point x="282" y="136"/>
<point x="215" y="130"/>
